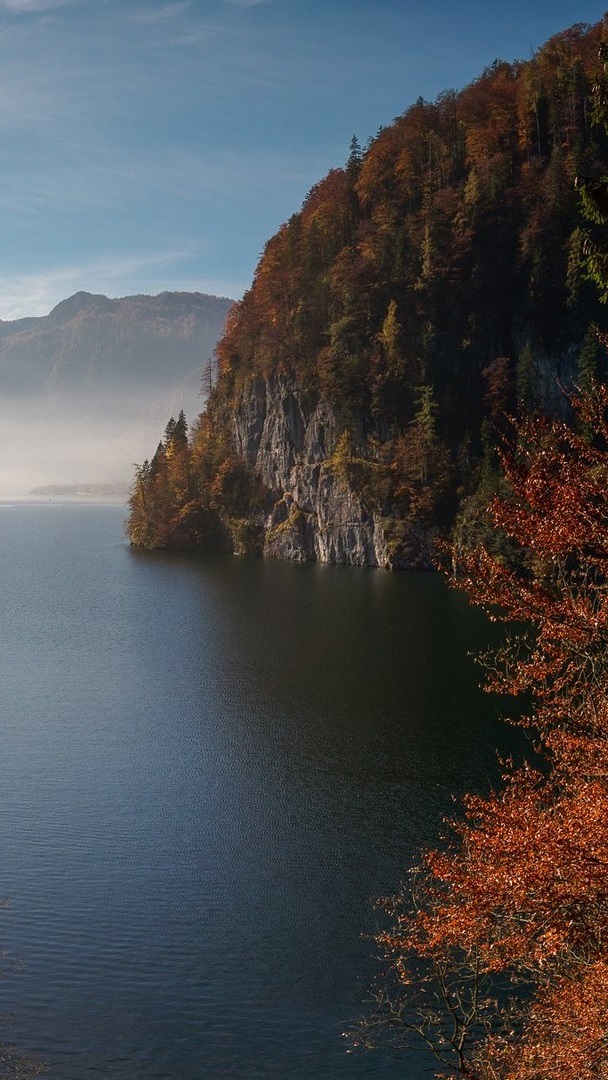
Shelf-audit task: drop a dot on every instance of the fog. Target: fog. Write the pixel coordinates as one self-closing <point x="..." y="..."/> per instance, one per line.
<point x="43" y="445"/>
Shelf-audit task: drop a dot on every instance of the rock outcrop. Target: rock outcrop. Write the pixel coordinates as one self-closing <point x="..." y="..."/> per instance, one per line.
<point x="287" y="437"/>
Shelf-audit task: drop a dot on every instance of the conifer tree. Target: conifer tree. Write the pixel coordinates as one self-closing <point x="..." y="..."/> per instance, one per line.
<point x="355" y="157"/>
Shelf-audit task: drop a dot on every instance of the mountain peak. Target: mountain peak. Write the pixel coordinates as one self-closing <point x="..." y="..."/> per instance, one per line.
<point x="66" y="309"/>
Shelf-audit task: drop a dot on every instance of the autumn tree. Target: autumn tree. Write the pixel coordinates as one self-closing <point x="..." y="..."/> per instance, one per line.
<point x="499" y="956"/>
<point x="162" y="491"/>
<point x="453" y="239"/>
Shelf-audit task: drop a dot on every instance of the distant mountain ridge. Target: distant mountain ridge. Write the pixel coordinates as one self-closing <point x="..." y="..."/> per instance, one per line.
<point x="89" y="341"/>
<point x="84" y="389"/>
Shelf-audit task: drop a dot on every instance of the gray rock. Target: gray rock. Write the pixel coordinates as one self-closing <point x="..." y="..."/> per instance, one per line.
<point x="287" y="436"/>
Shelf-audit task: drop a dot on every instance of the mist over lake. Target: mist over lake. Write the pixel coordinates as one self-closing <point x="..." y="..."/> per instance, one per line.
<point x="88" y="389"/>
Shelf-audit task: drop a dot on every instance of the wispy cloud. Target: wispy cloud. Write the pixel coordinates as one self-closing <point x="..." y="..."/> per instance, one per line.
<point x="23" y="7"/>
<point x="117" y="181"/>
<point x="189" y="37"/>
<point x="247" y="3"/>
<point x="163" y="13"/>
<point x="171" y="24"/>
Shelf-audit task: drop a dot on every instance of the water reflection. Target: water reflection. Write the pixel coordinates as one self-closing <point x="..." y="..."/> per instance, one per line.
<point x="216" y="766"/>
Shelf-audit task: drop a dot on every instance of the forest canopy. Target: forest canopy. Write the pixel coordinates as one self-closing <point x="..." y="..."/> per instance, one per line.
<point x="439" y="281"/>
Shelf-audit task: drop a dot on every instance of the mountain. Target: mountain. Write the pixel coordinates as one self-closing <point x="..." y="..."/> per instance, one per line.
<point x="90" y="344"/>
<point x="435" y="284"/>
<point x="86" y="387"/>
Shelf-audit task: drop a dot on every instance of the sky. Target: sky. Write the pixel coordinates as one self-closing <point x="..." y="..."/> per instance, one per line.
<point x="157" y="144"/>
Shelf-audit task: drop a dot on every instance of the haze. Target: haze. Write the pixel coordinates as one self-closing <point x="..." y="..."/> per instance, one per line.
<point x="89" y="388"/>
<point x="42" y="446"/>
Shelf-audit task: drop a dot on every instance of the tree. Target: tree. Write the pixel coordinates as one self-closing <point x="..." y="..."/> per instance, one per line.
<point x="589" y="362"/>
<point x="355" y="157"/>
<point x="499" y="957"/>
<point x="390" y="339"/>
<point x="207" y="380"/>
<point x="423" y="480"/>
<point x="423" y="460"/>
<point x="162" y="490"/>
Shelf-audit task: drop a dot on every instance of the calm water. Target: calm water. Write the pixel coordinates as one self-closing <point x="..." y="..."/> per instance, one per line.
<point x="209" y="766"/>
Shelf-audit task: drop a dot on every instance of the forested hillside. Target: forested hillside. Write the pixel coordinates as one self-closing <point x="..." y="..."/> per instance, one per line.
<point x="433" y="285"/>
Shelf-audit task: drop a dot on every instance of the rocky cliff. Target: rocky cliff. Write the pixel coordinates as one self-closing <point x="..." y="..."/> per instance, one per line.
<point x="287" y="436"/>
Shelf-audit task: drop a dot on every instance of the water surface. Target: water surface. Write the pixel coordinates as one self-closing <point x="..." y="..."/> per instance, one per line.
<point x="209" y="767"/>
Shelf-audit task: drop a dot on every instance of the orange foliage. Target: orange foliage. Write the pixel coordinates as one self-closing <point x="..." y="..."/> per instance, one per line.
<point x="559" y="517"/>
<point x="509" y="921"/>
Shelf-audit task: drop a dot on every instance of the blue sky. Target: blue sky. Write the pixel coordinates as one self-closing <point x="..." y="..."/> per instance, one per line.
<point x="157" y="144"/>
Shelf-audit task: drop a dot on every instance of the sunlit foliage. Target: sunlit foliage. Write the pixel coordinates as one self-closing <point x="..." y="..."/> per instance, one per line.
<point x="451" y="258"/>
<point x="498" y="954"/>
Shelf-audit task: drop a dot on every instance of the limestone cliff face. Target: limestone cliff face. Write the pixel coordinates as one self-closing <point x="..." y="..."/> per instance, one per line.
<point x="287" y="437"/>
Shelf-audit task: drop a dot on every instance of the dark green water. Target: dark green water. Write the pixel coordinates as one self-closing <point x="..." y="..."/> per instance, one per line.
<point x="209" y="767"/>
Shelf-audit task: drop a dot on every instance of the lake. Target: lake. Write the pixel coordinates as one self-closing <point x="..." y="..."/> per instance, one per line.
<point x="209" y="768"/>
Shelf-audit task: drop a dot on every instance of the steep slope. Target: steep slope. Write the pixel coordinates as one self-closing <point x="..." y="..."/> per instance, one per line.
<point x="435" y="283"/>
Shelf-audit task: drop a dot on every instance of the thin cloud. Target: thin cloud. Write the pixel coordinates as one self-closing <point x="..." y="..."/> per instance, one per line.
<point x="23" y="7"/>
<point x="167" y="19"/>
<point x="164" y="13"/>
<point x="190" y="37"/>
